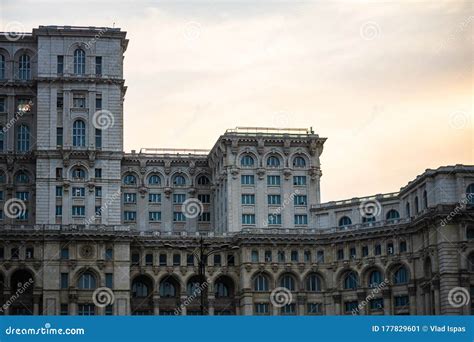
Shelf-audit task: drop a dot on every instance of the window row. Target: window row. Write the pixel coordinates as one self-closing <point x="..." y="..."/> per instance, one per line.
<point x="175" y="259"/>
<point x="156" y="180"/>
<point x="272" y="180"/>
<point x="275" y="219"/>
<point x="298" y="200"/>
<point x="247" y="160"/>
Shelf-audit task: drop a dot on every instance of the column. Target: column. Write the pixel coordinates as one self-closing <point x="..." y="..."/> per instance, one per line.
<point x="387" y="302"/>
<point x="412" y="294"/>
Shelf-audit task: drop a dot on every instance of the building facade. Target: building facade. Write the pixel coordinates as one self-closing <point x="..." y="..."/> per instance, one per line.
<point x="86" y="229"/>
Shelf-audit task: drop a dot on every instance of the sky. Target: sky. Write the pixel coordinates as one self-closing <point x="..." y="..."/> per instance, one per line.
<point x="389" y="83"/>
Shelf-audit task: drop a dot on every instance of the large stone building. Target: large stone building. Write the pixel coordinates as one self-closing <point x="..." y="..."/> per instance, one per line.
<point x="239" y="229"/>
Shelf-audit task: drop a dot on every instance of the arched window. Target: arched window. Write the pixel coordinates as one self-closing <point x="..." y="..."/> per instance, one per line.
<point x="392" y="215"/>
<point x="400" y="276"/>
<point x="154" y="180"/>
<point x="261" y="283"/>
<point x="2" y="67"/>
<point x="194" y="288"/>
<point x="129" y="180"/>
<point x="417" y="205"/>
<point x="203" y="180"/>
<point x="288" y="281"/>
<point x="22" y="178"/>
<point x="78" y="173"/>
<point x="247" y="160"/>
<point x="221" y="290"/>
<point x="313" y="283"/>
<point x="407" y="210"/>
<point x="179" y="180"/>
<point x="24" y="64"/>
<point x="79" y="133"/>
<point x="86" y="281"/>
<point x="375" y="278"/>
<point x="425" y="199"/>
<point x="299" y="162"/>
<point x="167" y="289"/>
<point x="470" y="193"/>
<point x="344" y="221"/>
<point x="23" y="138"/>
<point x="79" y="62"/>
<point x="139" y="289"/>
<point x="350" y="281"/>
<point x="273" y="161"/>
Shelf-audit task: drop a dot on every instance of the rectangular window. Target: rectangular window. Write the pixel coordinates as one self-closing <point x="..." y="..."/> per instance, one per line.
<point x="64" y="253"/>
<point x="15" y="253"/>
<point x="1" y="195"/>
<point x="109" y="310"/>
<point x="315" y="308"/>
<point x="190" y="259"/>
<point x="98" y="191"/>
<point x="217" y="260"/>
<point x="98" y="173"/>
<point x="98" y="101"/>
<point x="299" y="180"/>
<point x="22" y="195"/>
<point x="255" y="256"/>
<point x="289" y="309"/>
<point x="98" y="210"/>
<point x="179" y="198"/>
<point x="262" y="309"/>
<point x="64" y="310"/>
<point x="300" y="200"/>
<point x="64" y="280"/>
<point x="307" y="256"/>
<point x="365" y="251"/>
<point x="281" y="256"/>
<point x="376" y="304"/>
<point x="86" y="310"/>
<point x="79" y="101"/>
<point x="149" y="259"/>
<point x="109" y="254"/>
<point x="301" y="220"/>
<point x="378" y="249"/>
<point x="109" y="280"/>
<point x="273" y="180"/>
<point x="98" y="138"/>
<point x="178" y="216"/>
<point x="78" y="192"/>
<point x="294" y="256"/>
<point x="176" y="259"/>
<point x="135" y="259"/>
<point x="129" y="198"/>
<point x="349" y="307"/>
<point x="205" y="217"/>
<point x="60" y="65"/>
<point x="78" y="210"/>
<point x="230" y="259"/>
<point x="248" y="218"/>
<point x="154" y="198"/>
<point x="162" y="259"/>
<point x="340" y="254"/>
<point x="274" y="219"/>
<point x="29" y="253"/>
<point x="401" y="301"/>
<point x="59" y="101"/>
<point x="205" y="199"/>
<point x="130" y="216"/>
<point x="403" y="246"/>
<point x="59" y="173"/>
<point x="59" y="191"/>
<point x="98" y="65"/>
<point x="248" y="199"/>
<point x="247" y="179"/>
<point x="390" y="250"/>
<point x="274" y="199"/>
<point x="2" y="253"/>
<point x="352" y="252"/>
<point x="23" y="215"/>
<point x="59" y="210"/>
<point x="268" y="256"/>
<point x="3" y="108"/>
<point x="154" y="216"/>
<point x="59" y="136"/>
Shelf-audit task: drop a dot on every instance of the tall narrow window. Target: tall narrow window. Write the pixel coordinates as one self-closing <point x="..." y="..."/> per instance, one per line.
<point x="98" y="101"/>
<point x="23" y="138"/>
<point x="98" y="138"/>
<point x="79" y="62"/>
<point x="2" y="139"/>
<point x="2" y="67"/>
<point x="24" y="68"/>
<point x="98" y="65"/>
<point x="59" y="136"/>
<point x="60" y="65"/>
<point x="79" y="133"/>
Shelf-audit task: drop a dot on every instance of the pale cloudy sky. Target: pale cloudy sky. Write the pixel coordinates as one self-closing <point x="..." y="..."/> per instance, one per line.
<point x="390" y="84"/>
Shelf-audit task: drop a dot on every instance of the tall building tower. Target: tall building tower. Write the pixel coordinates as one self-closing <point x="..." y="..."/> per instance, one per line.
<point x="79" y="142"/>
